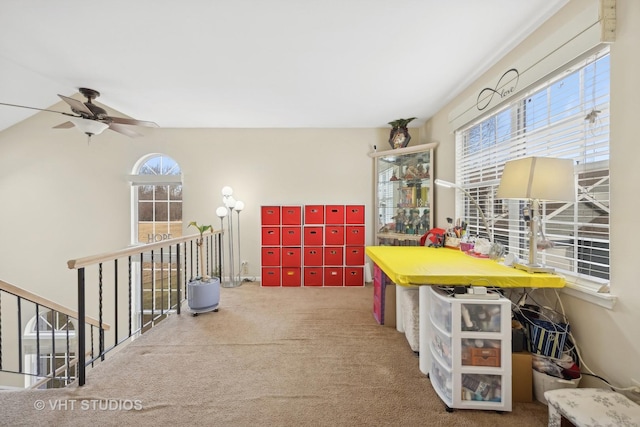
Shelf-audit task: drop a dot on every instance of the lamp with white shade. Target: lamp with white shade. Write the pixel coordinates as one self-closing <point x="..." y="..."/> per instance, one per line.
<point x="227" y="191"/>
<point x="536" y="179"/>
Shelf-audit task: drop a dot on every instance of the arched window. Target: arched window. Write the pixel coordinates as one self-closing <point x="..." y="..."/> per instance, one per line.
<point x="156" y="215"/>
<point x="157" y="204"/>
<point x="49" y="344"/>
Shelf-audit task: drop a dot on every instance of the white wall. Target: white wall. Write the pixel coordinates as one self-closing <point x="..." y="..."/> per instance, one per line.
<point x="609" y="339"/>
<point x="62" y="198"/>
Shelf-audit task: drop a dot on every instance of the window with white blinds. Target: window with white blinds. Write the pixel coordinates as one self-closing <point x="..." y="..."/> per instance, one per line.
<point x="565" y="117"/>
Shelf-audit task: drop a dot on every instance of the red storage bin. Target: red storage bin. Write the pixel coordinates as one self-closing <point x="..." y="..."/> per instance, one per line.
<point x="314" y="214"/>
<point x="270" y="215"/>
<point x="333" y="276"/>
<point x="313" y="236"/>
<point x="291" y="236"/>
<point x="354" y="235"/>
<point x="333" y="255"/>
<point x="354" y="255"/>
<point x="291" y="276"/>
<point x="354" y="276"/>
<point x="270" y="257"/>
<point x="291" y="215"/>
<point x="270" y="236"/>
<point x="334" y="235"/>
<point x="312" y="276"/>
<point x="271" y="276"/>
<point x="354" y="214"/>
<point x="334" y="214"/>
<point x="291" y="257"/>
<point x="312" y="256"/>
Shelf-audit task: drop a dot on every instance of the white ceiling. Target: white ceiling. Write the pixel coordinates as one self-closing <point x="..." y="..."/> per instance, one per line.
<point x="256" y="63"/>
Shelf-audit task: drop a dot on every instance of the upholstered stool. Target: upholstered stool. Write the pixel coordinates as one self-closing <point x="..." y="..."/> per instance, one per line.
<point x="585" y="407"/>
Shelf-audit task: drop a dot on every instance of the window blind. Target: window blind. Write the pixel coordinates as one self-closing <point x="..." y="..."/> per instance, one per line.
<point x="566" y="116"/>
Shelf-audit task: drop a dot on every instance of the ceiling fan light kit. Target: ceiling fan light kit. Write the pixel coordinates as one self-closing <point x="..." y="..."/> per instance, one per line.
<point x="90" y="127"/>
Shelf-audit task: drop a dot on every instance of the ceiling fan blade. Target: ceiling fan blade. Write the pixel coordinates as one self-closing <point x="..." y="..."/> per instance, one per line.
<point x="77" y="106"/>
<point x="124" y="130"/>
<point x="124" y="121"/>
<point x="33" y="108"/>
<point x="65" y="125"/>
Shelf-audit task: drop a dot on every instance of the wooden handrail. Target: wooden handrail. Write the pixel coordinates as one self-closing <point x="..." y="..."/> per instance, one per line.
<point x="37" y="299"/>
<point x="134" y="250"/>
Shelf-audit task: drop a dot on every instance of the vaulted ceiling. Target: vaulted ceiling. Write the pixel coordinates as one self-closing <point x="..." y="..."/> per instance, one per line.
<point x="256" y="63"/>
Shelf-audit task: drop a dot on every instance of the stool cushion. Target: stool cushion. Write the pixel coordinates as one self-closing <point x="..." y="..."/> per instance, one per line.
<point x="591" y="407"/>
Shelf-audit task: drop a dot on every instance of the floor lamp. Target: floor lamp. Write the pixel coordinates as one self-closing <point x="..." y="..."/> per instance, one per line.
<point x="221" y="212"/>
<point x="535" y="179"/>
<point x="231" y="204"/>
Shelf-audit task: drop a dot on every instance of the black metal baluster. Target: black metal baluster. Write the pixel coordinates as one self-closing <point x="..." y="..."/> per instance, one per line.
<point x="81" y="329"/>
<point x="141" y="291"/>
<point x="207" y="257"/>
<point x="198" y="272"/>
<point x="20" y="357"/>
<point x="161" y="281"/>
<point x="184" y="269"/>
<point x="169" y="278"/>
<point x="153" y="288"/>
<point x="115" y="298"/>
<point x="178" y="284"/>
<point x="191" y="258"/>
<point x="67" y="358"/>
<point x="52" y="361"/>
<point x="93" y="353"/>
<point x="38" y="373"/>
<point x="101" y="329"/>
<point x="130" y="264"/>
<point x="219" y="241"/>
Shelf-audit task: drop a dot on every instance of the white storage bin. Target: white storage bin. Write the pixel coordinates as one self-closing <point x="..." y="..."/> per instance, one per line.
<point x="543" y="382"/>
<point x="411" y="317"/>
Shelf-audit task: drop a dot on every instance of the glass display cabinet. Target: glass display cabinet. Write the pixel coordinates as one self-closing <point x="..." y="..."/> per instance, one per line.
<point x="403" y="194"/>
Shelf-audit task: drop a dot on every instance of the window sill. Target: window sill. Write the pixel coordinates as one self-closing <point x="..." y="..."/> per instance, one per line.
<point x="585" y="293"/>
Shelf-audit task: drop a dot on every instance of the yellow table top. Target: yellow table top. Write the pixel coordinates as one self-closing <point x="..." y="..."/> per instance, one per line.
<point x="420" y="265"/>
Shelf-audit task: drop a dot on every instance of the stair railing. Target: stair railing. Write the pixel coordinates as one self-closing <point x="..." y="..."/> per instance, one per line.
<point x="152" y="286"/>
<point x="53" y="323"/>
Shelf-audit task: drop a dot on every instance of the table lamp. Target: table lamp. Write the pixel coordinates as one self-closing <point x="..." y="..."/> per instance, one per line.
<point x="536" y="179"/>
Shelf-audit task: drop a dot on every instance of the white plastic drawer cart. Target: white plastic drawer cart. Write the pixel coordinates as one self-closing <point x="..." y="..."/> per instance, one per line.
<point x="470" y="349"/>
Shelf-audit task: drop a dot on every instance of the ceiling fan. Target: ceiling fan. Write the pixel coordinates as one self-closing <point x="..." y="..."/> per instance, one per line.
<point x="92" y="119"/>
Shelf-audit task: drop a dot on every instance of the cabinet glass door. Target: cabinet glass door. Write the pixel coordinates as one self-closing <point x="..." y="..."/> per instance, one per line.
<point x="404" y="194"/>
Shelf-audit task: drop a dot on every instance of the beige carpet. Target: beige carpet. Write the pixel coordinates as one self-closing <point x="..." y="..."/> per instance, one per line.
<point x="269" y="357"/>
